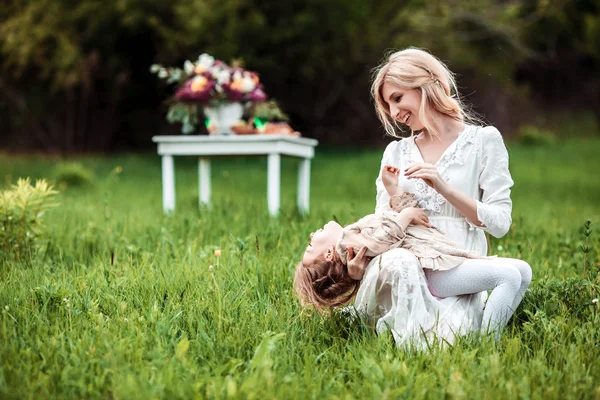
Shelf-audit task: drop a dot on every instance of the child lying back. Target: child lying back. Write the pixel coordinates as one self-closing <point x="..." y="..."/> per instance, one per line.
<point x="323" y="278"/>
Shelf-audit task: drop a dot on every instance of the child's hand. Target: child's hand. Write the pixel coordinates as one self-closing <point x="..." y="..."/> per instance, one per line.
<point x="417" y="216"/>
<point x="389" y="176"/>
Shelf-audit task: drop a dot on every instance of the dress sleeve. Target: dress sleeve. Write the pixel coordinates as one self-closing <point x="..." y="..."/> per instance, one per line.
<point x="495" y="207"/>
<point x="402" y="201"/>
<point x="383" y="198"/>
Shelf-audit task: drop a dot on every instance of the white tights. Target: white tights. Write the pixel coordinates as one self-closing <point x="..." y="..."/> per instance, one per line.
<point x="507" y="278"/>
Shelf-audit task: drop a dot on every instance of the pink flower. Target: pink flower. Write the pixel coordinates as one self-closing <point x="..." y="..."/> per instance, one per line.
<point x="257" y="95"/>
<point x="233" y="94"/>
<point x="198" y="91"/>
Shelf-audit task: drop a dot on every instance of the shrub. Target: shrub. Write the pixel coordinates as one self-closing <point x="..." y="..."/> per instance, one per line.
<point x="572" y="297"/>
<point x="534" y="136"/>
<point x="21" y="212"/>
<point x="73" y="174"/>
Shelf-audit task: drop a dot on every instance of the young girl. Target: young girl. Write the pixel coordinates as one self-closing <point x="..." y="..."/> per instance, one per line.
<point x="324" y="279"/>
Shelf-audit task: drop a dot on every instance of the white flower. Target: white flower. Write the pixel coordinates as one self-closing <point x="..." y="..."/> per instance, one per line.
<point x="188" y="66"/>
<point x="163" y="73"/>
<point x="205" y="60"/>
<point x="595" y="301"/>
<point x="500" y="248"/>
<point x="237" y="75"/>
<point x="223" y="77"/>
<point x="248" y="85"/>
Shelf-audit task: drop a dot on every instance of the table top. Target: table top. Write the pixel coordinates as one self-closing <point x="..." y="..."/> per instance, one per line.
<point x="234" y="139"/>
<point x="260" y="144"/>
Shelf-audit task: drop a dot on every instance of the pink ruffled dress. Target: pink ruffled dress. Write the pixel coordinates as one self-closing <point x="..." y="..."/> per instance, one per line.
<point x="383" y="232"/>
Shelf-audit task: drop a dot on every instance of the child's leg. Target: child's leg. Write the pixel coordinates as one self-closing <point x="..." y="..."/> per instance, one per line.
<point x="472" y="276"/>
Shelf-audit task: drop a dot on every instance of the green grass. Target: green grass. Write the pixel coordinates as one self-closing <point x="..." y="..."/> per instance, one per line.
<point x="123" y="302"/>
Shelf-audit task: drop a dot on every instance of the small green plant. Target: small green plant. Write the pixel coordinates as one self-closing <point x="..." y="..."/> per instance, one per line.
<point x="533" y="136"/>
<point x="186" y="114"/>
<point x="572" y="297"/>
<point x="585" y="248"/>
<point x="269" y="111"/>
<point x="73" y="174"/>
<point x="21" y="212"/>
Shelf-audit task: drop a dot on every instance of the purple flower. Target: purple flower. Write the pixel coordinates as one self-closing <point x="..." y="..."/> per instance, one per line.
<point x="196" y="91"/>
<point x="232" y="94"/>
<point x="257" y="95"/>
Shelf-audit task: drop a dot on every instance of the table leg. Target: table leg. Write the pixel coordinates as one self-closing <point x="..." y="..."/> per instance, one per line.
<point x="204" y="181"/>
<point x="273" y="183"/>
<point x="303" y="185"/>
<point x="168" y="182"/>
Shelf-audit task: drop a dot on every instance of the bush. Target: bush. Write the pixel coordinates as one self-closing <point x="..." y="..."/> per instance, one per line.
<point x="73" y="174"/>
<point x="21" y="212"/>
<point x="571" y="297"/>
<point x="533" y="136"/>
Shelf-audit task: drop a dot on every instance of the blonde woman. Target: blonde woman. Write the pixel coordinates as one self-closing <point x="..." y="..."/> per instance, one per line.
<point x="458" y="173"/>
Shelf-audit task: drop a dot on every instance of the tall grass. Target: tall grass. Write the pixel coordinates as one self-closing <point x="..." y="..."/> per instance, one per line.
<point x="123" y="302"/>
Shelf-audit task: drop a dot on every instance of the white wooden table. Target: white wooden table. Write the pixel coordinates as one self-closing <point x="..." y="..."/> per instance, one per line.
<point x="273" y="146"/>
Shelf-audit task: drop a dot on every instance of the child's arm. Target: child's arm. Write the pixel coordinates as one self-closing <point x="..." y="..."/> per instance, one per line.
<point x="389" y="177"/>
<point x="402" y="201"/>
<point x="411" y="215"/>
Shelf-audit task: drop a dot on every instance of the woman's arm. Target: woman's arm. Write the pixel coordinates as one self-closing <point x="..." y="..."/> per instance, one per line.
<point x="495" y="208"/>
<point x="493" y="212"/>
<point x="383" y="197"/>
<point x="466" y="205"/>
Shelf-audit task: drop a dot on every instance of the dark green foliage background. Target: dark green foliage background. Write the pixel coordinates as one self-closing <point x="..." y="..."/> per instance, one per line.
<point x="74" y="74"/>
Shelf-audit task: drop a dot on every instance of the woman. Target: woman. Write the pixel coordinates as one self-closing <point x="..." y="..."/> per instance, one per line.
<point x="458" y="172"/>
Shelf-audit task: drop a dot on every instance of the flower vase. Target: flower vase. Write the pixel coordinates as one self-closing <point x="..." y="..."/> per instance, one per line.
<point x="223" y="117"/>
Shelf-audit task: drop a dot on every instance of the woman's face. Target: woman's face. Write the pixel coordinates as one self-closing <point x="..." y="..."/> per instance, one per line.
<point x="403" y="105"/>
<point x="321" y="241"/>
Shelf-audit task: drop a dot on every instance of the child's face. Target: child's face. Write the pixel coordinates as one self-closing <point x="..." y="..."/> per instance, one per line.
<point x="321" y="242"/>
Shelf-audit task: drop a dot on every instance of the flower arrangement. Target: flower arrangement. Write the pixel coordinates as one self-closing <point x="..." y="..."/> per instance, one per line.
<point x="208" y="83"/>
<point x="211" y="81"/>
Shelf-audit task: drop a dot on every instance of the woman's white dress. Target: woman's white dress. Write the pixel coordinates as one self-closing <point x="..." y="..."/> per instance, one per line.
<point x="393" y="293"/>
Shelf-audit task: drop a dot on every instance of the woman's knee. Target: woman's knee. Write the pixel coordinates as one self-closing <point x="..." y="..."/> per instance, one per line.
<point x="510" y="276"/>
<point x="524" y="270"/>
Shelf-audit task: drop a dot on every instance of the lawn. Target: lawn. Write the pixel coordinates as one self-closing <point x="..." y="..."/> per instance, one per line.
<point x="120" y="301"/>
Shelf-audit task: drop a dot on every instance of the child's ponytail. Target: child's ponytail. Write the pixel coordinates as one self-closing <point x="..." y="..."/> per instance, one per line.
<point x="324" y="284"/>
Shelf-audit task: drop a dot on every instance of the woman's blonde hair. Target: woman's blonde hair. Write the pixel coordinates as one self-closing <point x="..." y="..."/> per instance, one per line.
<point x="324" y="284"/>
<point x="414" y="68"/>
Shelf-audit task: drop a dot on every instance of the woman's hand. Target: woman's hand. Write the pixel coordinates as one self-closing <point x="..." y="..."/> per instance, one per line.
<point x="417" y="216"/>
<point x="428" y="173"/>
<point x="357" y="263"/>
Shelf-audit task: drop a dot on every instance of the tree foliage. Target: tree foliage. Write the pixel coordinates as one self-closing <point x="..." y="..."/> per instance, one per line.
<point x="74" y="74"/>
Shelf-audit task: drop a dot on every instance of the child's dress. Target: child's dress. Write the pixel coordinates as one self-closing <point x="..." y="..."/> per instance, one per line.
<point x="382" y="232"/>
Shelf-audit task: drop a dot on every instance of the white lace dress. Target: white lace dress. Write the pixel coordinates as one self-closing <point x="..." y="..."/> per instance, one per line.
<point x="393" y="293"/>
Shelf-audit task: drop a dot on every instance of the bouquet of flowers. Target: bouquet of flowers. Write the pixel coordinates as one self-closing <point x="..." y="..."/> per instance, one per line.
<point x="211" y="81"/>
<point x="208" y="83"/>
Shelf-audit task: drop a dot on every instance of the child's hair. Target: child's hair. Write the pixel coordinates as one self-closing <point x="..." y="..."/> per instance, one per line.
<point x="324" y="283"/>
<point x="413" y="68"/>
